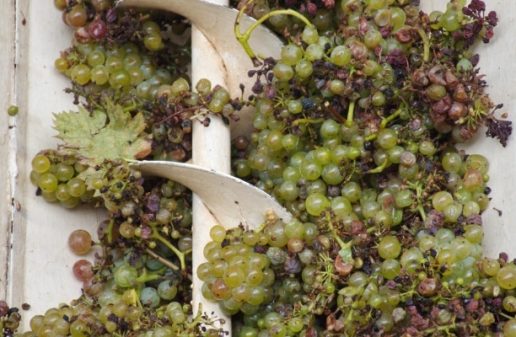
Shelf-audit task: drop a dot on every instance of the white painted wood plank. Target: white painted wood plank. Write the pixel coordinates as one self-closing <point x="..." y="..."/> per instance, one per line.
<point x="211" y="149"/>
<point x="42" y="274"/>
<point x="7" y="60"/>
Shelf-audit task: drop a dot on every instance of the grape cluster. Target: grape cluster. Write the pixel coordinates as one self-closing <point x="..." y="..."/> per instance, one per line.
<point x="56" y="176"/>
<point x="100" y="21"/>
<point x="356" y="129"/>
<point x="9" y="319"/>
<point x="121" y="67"/>
<point x="234" y="275"/>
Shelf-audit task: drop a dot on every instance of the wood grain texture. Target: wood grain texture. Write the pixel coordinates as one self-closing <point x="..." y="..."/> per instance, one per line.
<point x="7" y="97"/>
<point x="41" y="268"/>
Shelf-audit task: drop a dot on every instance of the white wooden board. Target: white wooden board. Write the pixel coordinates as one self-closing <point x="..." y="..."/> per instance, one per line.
<point x="40" y="265"/>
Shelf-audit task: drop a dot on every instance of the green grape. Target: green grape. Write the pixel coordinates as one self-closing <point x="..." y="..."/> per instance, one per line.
<point x="452" y="212"/>
<point x="372" y="38"/>
<point x="371" y="68"/>
<point x="390" y="269"/>
<point x="48" y="182"/>
<point x="331" y="174"/>
<point x="477" y="162"/>
<point x="450" y="21"/>
<point x="427" y="148"/>
<point x="234" y="276"/>
<point x="452" y="162"/>
<point x="441" y="200"/>
<point x="176" y="315"/>
<point x="310" y="170"/>
<point x="180" y="86"/>
<point x="64" y="172"/>
<point x="404" y="198"/>
<point x="341" y="206"/>
<point x="506" y="277"/>
<point x="474" y="234"/>
<point x="153" y="42"/>
<point x="291" y="54"/>
<point x="288" y="191"/>
<point x="137" y="75"/>
<point x="167" y="290"/>
<point x="473" y="180"/>
<point x="149" y="297"/>
<point x="283" y="72"/>
<point x="96" y="58"/>
<point x="76" y="187"/>
<point x="256" y="296"/>
<point x="62" y="193"/>
<point x="310" y="35"/>
<point x="314" y="52"/>
<point x="398" y="18"/>
<point x="340" y="56"/>
<point x="99" y="75"/>
<point x="352" y="191"/>
<point x="444" y="235"/>
<point x="132" y="60"/>
<point x="316" y="203"/>
<point x="389" y="247"/>
<point x="41" y="164"/>
<point x="61" y="64"/>
<point x="509" y="328"/>
<point x="337" y="87"/>
<point x="81" y="74"/>
<point x="304" y="69"/>
<point x="125" y="276"/>
<point x="378" y="99"/>
<point x="218" y="233"/>
<point x="387" y="139"/>
<point x="509" y="304"/>
<point x="119" y="79"/>
<point x="370" y="208"/>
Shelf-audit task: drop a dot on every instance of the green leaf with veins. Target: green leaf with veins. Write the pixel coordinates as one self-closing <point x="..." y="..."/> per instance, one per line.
<point x="103" y="135"/>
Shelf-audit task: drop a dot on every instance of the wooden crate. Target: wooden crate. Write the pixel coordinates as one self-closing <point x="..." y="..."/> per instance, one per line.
<point x="35" y="262"/>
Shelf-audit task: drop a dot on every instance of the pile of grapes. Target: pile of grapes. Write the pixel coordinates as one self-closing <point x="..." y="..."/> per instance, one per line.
<point x="356" y="129"/>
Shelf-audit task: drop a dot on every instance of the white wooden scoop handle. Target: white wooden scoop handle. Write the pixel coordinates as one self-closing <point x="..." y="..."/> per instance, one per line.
<point x="231" y="200"/>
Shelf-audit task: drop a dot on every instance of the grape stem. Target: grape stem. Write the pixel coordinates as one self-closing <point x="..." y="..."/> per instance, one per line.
<point x="307" y="121"/>
<point x="144" y="277"/>
<point x="351" y="113"/>
<point x="379" y="169"/>
<point x="243" y="38"/>
<point x="419" y="195"/>
<point x="110" y="232"/>
<point x="166" y="262"/>
<point x="179" y="254"/>
<point x="342" y="244"/>
<point x="389" y="119"/>
<point x="426" y="44"/>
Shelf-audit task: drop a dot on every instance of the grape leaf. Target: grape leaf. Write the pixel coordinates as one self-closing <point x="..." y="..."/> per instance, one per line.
<point x="103" y="135"/>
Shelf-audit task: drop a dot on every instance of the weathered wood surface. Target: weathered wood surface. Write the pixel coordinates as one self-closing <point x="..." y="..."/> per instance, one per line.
<point x="40" y="268"/>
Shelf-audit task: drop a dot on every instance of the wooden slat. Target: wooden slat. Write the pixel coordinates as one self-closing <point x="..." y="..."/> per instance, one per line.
<point x="42" y="262"/>
<point x="7" y="60"/>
